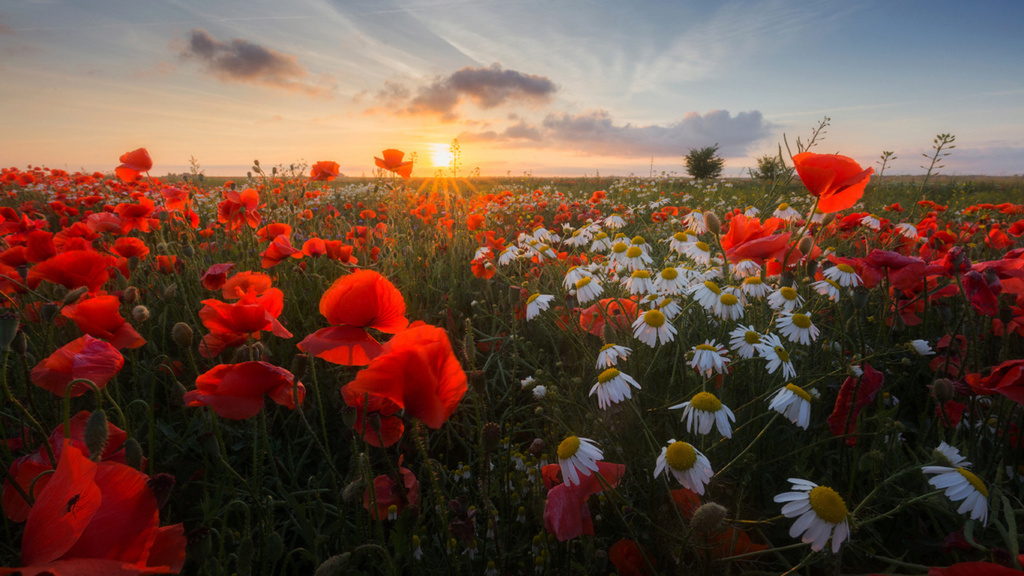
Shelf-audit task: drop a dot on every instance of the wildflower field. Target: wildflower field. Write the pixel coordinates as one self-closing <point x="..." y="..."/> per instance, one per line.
<point x="292" y="374"/>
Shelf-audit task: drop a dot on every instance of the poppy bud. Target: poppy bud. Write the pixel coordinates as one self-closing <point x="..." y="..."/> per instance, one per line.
<point x="162" y="247"/>
<point x="131" y="295"/>
<point x="73" y="296"/>
<point x="182" y="335"/>
<point x="491" y="435"/>
<point x="713" y="223"/>
<point x="860" y="297"/>
<point x="787" y="279"/>
<point x="942" y="390"/>
<point x="477" y="380"/>
<point x="299" y="364"/>
<point x="348" y="416"/>
<point x="812" y="268"/>
<point x="806" y="245"/>
<point x="161" y="485"/>
<point x="991" y="277"/>
<point x="707" y="518"/>
<point x="23" y="272"/>
<point x="96" y="434"/>
<point x="334" y="566"/>
<point x="537" y="447"/>
<point x="274" y="548"/>
<point x="178" y="397"/>
<point x="188" y="251"/>
<point x="50" y="310"/>
<point x="828" y="219"/>
<point x="8" y="329"/>
<point x="872" y="460"/>
<point x="256" y="162"/>
<point x="140" y="313"/>
<point x="133" y="454"/>
<point x="1005" y="313"/>
<point x="169" y="292"/>
<point x="354" y="491"/>
<point x="20" y="344"/>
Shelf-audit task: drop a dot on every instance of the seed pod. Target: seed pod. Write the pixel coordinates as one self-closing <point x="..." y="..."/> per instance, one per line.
<point x="713" y="223"/>
<point x="182" y="335"/>
<point x="334" y="566"/>
<point x="806" y="245"/>
<point x="860" y="297"/>
<point x="169" y="292"/>
<point x="131" y="295"/>
<point x="133" y="454"/>
<point x="708" y="517"/>
<point x="188" y="251"/>
<point x="73" y="296"/>
<point x="96" y="434"/>
<point x="140" y="313"/>
<point x="491" y="436"/>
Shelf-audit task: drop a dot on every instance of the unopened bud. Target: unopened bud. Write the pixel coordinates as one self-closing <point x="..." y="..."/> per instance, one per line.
<point x="477" y="380"/>
<point x="182" y="335"/>
<point x="491" y="435"/>
<point x="8" y="328"/>
<point x="274" y="548"/>
<point x="828" y="218"/>
<point x="243" y="556"/>
<point x="300" y="362"/>
<point x="133" y="454"/>
<point x="354" y="491"/>
<point x="49" y="311"/>
<point x="787" y="279"/>
<point x="188" y="251"/>
<point x="73" y="296"/>
<point x="96" y="434"/>
<point x="140" y="313"/>
<point x="812" y="268"/>
<point x="537" y="447"/>
<point x="169" y="292"/>
<point x="806" y="245"/>
<point x="713" y="223"/>
<point x="131" y="295"/>
<point x="708" y="518"/>
<point x="942" y="390"/>
<point x="860" y="297"/>
<point x="334" y="566"/>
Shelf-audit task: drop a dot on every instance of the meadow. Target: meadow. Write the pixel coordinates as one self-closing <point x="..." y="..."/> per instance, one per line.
<point x="293" y="372"/>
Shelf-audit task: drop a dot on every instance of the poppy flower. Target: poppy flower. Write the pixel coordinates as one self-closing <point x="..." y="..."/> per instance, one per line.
<point x="133" y="164"/>
<point x="1006" y="379"/>
<point x="619" y="313"/>
<point x="566" y="513"/>
<point x="314" y="247"/>
<point x="389" y="492"/>
<point x="27" y="469"/>
<point x="627" y="558"/>
<point x="73" y="269"/>
<point x="392" y="161"/>
<point x="135" y="216"/>
<point x="240" y="208"/>
<point x="381" y="431"/>
<point x="100" y="317"/>
<point x="418" y="371"/>
<point x="217" y="275"/>
<point x="981" y="294"/>
<point x="837" y="181"/>
<point x="844" y="416"/>
<point x="129" y="247"/>
<point x="235" y="391"/>
<point x="324" y="171"/>
<point x="39" y="246"/>
<point x="338" y="250"/>
<point x="973" y="569"/>
<point x="243" y="282"/>
<point x="84" y="358"/>
<point x="232" y="324"/>
<point x="278" y="251"/>
<point x="98" y="518"/>
<point x="273" y="230"/>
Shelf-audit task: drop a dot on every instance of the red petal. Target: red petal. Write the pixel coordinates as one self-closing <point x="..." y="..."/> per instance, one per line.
<point x="345" y="345"/>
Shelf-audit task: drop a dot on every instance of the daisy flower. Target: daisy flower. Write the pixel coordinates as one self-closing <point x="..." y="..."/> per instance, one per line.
<point x="797" y="327"/>
<point x="960" y="483"/>
<point x="844" y="274"/>
<point x="871" y="221"/>
<point x="680" y="240"/>
<point x="636" y="258"/>
<point x="652" y="327"/>
<point x="691" y="468"/>
<point x="482" y="252"/>
<point x="695" y="222"/>
<point x="751" y="211"/>
<point x="573" y="275"/>
<point x="744" y="339"/>
<point x="820" y="512"/>
<point x="578" y="238"/>
<point x="601" y="243"/>
<point x="699" y="252"/>
<point x="907" y="230"/>
<point x="639" y="282"/>
<point x="921" y="347"/>
<point x="705" y="410"/>
<point x="706" y="294"/>
<point x="610" y="354"/>
<point x="613" y="387"/>
<point x="794" y="403"/>
<point x="786" y="212"/>
<point x="729" y="306"/>
<point x="669" y="281"/>
<point x="640" y="243"/>
<point x="669" y="307"/>
<point x="746" y="268"/>
<point x="708" y="357"/>
<point x="771" y="350"/>
<point x="536" y="304"/>
<point x="617" y="258"/>
<point x="817" y="217"/>
<point x="587" y="289"/>
<point x="785" y="298"/>
<point x="577" y="456"/>
<point x="829" y="288"/>
<point x="614" y="221"/>
<point x="508" y="254"/>
<point x="754" y="287"/>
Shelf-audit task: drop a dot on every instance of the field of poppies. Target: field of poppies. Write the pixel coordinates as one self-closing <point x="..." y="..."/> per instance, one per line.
<point x="284" y="374"/>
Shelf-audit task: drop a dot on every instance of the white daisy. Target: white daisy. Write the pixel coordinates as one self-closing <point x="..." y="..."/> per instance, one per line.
<point x="705" y="410"/>
<point x="821" y="514"/>
<point x="871" y="221"/>
<point x="639" y="282"/>
<point x="794" y="403"/>
<point x="669" y="307"/>
<point x="669" y="281"/>
<point x="610" y="354"/>
<point x="601" y="243"/>
<point x="536" y="304"/>
<point x="817" y="217"/>
<point x="729" y="306"/>
<point x="699" y="252"/>
<point x="680" y="240"/>
<point x="706" y="294"/>
<point x="691" y="468"/>
<point x="960" y="483"/>
<point x="743" y="340"/>
<point x="652" y="327"/>
<point x="751" y="211"/>
<point x="695" y="222"/>
<point x="578" y="238"/>
<point x="617" y="257"/>
<point x="573" y="275"/>
<point x="922" y="347"/>
<point x="907" y="230"/>
<point x="508" y="254"/>
<point x="754" y="287"/>
<point x="587" y="289"/>
<point x="771" y="349"/>
<point x="636" y="258"/>
<point x="797" y="327"/>
<point x="844" y="274"/>
<point x="785" y="298"/>
<point x="482" y="252"/>
<point x="577" y="456"/>
<point x="829" y="288"/>
<point x="613" y="387"/>
<point x="746" y="268"/>
<point x="786" y="212"/>
<point x="708" y="357"/>
<point x="640" y="243"/>
<point x="540" y="391"/>
<point x="614" y="221"/>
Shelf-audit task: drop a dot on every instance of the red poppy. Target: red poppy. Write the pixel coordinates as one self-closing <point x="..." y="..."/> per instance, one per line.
<point x="338" y="250"/>
<point x="217" y="275"/>
<point x="417" y="371"/>
<point x="100" y="317"/>
<point x="618" y="312"/>
<point x="837" y="181"/>
<point x="273" y="230"/>
<point x="129" y="247"/>
<point x="278" y="251"/>
<point x="233" y="323"/>
<point x="314" y="247"/>
<point x="393" y="161"/>
<point x="133" y="164"/>
<point x="376" y="421"/>
<point x="39" y="246"/>
<point x="844" y="416"/>
<point x="239" y="208"/>
<point x="27" y="469"/>
<point x="168" y="264"/>
<point x="175" y="198"/>
<point x="135" y="216"/>
<point x="388" y="492"/>
<point x="725" y="542"/>
<point x="235" y="391"/>
<point x="566" y="513"/>
<point x="324" y="171"/>
<point x="244" y="282"/>
<point x="628" y="559"/>
<point x="474" y="221"/>
<point x="748" y="239"/>
<point x="1006" y="379"/>
<point x="973" y="569"/>
<point x="73" y="269"/>
<point x="85" y="357"/>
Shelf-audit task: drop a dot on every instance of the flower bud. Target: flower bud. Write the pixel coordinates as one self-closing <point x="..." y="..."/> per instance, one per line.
<point x="806" y="245"/>
<point x="188" y="251"/>
<point x="713" y="223"/>
<point x="354" y="491"/>
<point x="169" y="292"/>
<point x="131" y="295"/>
<point x="860" y="297"/>
<point x="300" y="362"/>
<point x="828" y="218"/>
<point x="942" y="390"/>
<point x="477" y="380"/>
<point x="708" y="518"/>
<point x="96" y="434"/>
<point x="274" y="548"/>
<point x="243" y="556"/>
<point x="50" y="310"/>
<point x="334" y="566"/>
<point x="812" y="268"/>
<point x="73" y="296"/>
<point x="182" y="335"/>
<point x="537" y="447"/>
<point x="133" y="454"/>
<point x="140" y="313"/>
<point x="8" y="329"/>
<point x="491" y="435"/>
<point x="787" y="279"/>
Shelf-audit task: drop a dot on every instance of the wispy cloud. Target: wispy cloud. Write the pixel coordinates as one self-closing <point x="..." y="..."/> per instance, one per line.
<point x="485" y="87"/>
<point x="595" y="132"/>
<point x="243" y="61"/>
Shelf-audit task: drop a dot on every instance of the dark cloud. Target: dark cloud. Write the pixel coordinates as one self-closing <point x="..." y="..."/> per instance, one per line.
<point x="486" y="87"/>
<point x="596" y="133"/>
<point x="244" y="61"/>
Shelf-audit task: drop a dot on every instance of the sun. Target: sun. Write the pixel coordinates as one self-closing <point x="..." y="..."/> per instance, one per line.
<point x="440" y="155"/>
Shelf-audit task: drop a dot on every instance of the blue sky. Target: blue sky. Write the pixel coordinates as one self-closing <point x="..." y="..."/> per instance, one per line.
<point x="541" y="86"/>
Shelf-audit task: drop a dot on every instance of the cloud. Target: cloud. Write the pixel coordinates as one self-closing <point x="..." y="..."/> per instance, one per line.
<point x="247" y="62"/>
<point x="595" y="132"/>
<point x="485" y="87"/>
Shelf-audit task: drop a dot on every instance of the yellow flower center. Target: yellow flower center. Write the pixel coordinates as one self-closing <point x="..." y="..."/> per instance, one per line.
<point x="833" y="283"/>
<point x="567" y="449"/>
<point x="641" y="274"/>
<point x="606" y="347"/>
<point x="708" y="347"/>
<point x="638" y="240"/>
<point x="788" y="293"/>
<point x="705" y="402"/>
<point x="799" y="392"/>
<point x="782" y="354"/>
<point x="974" y="480"/>
<point x="665" y="302"/>
<point x="654" y="318"/>
<point x="669" y="273"/>
<point x="752" y="337"/>
<point x="752" y="280"/>
<point x="681" y="456"/>
<point x="680" y="236"/>
<point x="712" y="286"/>
<point x="532" y="298"/>
<point x="600" y="236"/>
<point x="828" y="505"/>
<point x="620" y="247"/>
<point x="620" y="235"/>
<point x="703" y="246"/>
<point x="729" y="300"/>
<point x="582" y="282"/>
<point x="634" y="252"/>
<point x="607" y="375"/>
<point x="784" y="206"/>
<point x="801" y="321"/>
<point x="845" y="268"/>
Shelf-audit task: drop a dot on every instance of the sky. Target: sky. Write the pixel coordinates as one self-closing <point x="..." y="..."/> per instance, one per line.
<point x="540" y="87"/>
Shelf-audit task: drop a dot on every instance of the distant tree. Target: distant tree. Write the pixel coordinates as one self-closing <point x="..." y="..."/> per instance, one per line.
<point x="770" y="169"/>
<point x="704" y="163"/>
